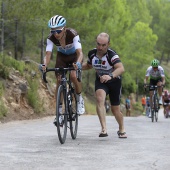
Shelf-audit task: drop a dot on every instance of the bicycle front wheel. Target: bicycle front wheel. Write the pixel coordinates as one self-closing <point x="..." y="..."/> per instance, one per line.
<point x="152" y="115"/>
<point x="153" y="108"/>
<point x="73" y="116"/>
<point x="156" y="107"/>
<point x="61" y="114"/>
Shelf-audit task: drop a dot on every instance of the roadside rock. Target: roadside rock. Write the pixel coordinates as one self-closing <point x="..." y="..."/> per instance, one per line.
<point x="15" y="98"/>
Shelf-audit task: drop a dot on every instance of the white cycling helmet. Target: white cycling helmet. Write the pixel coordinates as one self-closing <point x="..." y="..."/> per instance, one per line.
<point x="57" y="21"/>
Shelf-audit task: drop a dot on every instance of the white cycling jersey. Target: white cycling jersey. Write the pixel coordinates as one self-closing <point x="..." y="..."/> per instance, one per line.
<point x="155" y="74"/>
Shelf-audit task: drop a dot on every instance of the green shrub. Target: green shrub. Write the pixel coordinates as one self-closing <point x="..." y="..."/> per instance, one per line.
<point x="4" y="71"/>
<point x="1" y="89"/>
<point x="11" y="62"/>
<point x="137" y="108"/>
<point x="128" y="84"/>
<point x="33" y="97"/>
<point x="3" y="109"/>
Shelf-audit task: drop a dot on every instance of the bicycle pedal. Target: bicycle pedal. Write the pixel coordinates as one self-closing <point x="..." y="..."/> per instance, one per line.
<point x="71" y="119"/>
<point x="55" y="123"/>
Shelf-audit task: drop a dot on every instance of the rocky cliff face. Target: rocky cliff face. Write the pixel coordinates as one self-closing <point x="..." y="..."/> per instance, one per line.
<point x="15" y="98"/>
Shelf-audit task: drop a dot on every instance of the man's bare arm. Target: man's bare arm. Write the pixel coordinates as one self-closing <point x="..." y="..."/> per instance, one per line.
<point x="86" y="66"/>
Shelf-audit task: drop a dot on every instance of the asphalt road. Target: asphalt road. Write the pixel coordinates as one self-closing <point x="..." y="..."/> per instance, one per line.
<point x="34" y="145"/>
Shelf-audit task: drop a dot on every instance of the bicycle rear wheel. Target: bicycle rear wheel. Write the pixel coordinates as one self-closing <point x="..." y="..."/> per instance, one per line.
<point x="73" y="115"/>
<point x="61" y="114"/>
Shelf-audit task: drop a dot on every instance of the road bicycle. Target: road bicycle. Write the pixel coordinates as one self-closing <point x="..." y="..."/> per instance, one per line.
<point x="66" y="103"/>
<point x="155" y="103"/>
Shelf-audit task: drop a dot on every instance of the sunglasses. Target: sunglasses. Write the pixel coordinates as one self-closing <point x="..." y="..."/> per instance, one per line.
<point x="57" y="31"/>
<point x="155" y="67"/>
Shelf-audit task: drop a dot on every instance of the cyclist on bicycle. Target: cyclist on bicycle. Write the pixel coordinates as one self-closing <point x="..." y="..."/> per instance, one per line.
<point x="69" y="51"/>
<point x="157" y="77"/>
<point x="166" y="101"/>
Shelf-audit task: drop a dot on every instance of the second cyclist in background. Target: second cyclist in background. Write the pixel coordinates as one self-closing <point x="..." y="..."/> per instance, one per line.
<point x="166" y="102"/>
<point x="155" y="73"/>
<point x="69" y="51"/>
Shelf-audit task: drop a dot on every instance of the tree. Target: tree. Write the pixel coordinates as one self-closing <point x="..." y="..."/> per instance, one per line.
<point x="160" y="25"/>
<point x="139" y="50"/>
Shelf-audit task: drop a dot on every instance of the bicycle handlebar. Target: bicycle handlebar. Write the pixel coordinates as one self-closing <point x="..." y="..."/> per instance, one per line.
<point x="61" y="69"/>
<point x="148" y="85"/>
<point x="166" y="104"/>
<point x="153" y="86"/>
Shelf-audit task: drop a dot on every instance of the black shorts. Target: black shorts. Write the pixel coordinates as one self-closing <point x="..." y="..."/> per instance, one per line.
<point x="153" y="82"/>
<point x="166" y="102"/>
<point x="63" y="60"/>
<point x="113" y="89"/>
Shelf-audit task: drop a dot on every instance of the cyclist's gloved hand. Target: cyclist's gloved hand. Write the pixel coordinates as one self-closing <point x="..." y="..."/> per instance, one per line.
<point x="79" y="65"/>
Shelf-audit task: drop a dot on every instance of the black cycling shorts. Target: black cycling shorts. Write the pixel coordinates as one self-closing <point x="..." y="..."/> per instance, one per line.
<point x="166" y="102"/>
<point x="113" y="89"/>
<point x="63" y="60"/>
<point x="153" y="82"/>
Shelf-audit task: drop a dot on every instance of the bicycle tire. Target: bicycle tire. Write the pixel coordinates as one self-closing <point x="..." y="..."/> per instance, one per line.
<point x="152" y="115"/>
<point x="61" y="116"/>
<point x="153" y="109"/>
<point x="73" y="115"/>
<point x="156" y="108"/>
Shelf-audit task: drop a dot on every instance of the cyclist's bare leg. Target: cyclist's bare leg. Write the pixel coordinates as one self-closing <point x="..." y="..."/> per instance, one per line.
<point x="77" y="84"/>
<point x="100" y="108"/>
<point x="78" y="89"/>
<point x="151" y="94"/>
<point x="164" y="109"/>
<point x="160" y="88"/>
<point x="119" y="117"/>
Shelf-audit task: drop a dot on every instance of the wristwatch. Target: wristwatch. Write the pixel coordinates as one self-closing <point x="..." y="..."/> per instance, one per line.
<point x="111" y="75"/>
